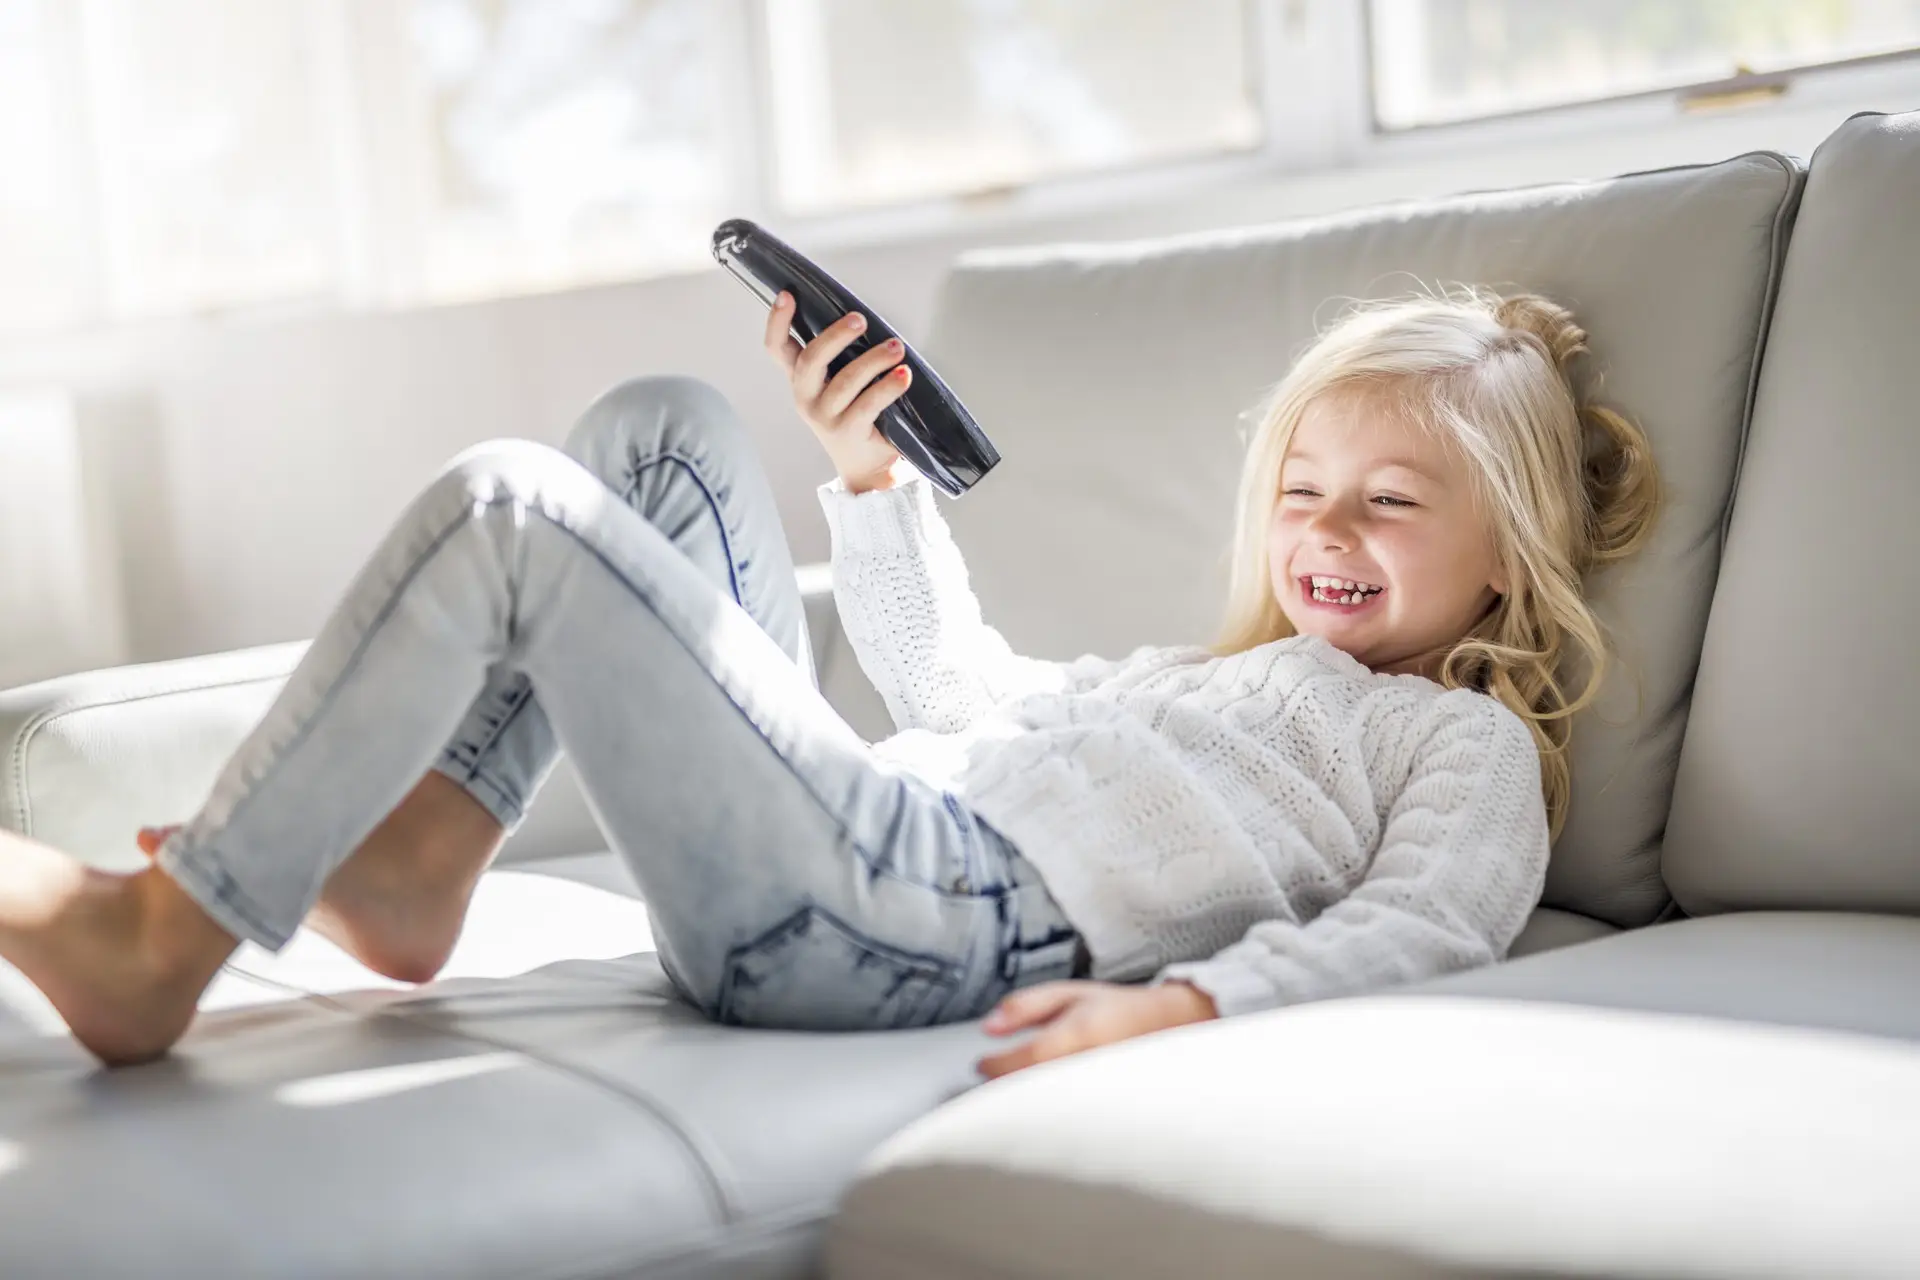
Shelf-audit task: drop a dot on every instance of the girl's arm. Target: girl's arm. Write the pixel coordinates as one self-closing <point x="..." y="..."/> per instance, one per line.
<point x="912" y="618"/>
<point x="1461" y="865"/>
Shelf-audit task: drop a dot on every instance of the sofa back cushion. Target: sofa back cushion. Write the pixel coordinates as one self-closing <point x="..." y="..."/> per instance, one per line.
<point x="1118" y="380"/>
<point x="1800" y="782"/>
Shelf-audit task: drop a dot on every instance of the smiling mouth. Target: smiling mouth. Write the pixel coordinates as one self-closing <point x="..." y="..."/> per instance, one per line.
<point x="1343" y="594"/>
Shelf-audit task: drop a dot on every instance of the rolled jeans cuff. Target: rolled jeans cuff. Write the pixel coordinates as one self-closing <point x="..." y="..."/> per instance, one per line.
<point x="507" y="809"/>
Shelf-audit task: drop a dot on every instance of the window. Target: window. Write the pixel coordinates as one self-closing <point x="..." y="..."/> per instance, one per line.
<point x="214" y="181"/>
<point x="169" y="157"/>
<point x="43" y="242"/>
<point x="562" y="141"/>
<point x="877" y="101"/>
<point x="1438" y="61"/>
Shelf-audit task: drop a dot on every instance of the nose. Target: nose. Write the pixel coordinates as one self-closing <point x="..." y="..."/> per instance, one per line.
<point x="1331" y="527"/>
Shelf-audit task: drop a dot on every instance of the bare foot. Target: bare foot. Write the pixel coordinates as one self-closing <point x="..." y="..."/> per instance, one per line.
<point x="122" y="958"/>
<point x="398" y="903"/>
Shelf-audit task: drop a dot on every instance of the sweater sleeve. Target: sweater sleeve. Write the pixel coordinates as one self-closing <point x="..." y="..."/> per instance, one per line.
<point x="912" y="619"/>
<point x="1461" y="864"/>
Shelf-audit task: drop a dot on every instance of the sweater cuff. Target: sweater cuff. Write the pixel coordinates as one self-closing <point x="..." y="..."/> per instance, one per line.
<point x="1235" y="988"/>
<point x="879" y="521"/>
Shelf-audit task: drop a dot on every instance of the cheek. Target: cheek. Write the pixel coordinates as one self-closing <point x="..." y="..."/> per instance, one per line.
<point x="1281" y="540"/>
<point x="1448" y="569"/>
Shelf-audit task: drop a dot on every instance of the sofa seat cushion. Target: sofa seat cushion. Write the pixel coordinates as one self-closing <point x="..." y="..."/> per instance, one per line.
<point x="547" y="1107"/>
<point x="531" y="1113"/>
<point x="1727" y="1097"/>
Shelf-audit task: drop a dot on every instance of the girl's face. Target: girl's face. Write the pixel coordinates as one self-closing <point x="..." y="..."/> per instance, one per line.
<point x="1367" y="498"/>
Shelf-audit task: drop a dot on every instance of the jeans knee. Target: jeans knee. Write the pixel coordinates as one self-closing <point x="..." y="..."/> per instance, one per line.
<point x="646" y="416"/>
<point x="484" y="471"/>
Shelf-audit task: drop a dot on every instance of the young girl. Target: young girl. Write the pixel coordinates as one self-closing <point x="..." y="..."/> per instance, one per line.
<point x="1356" y="787"/>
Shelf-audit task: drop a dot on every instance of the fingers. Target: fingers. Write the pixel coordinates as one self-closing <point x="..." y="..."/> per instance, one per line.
<point x="810" y="369"/>
<point x="884" y="391"/>
<point x="1058" y="1041"/>
<point x="779" y="321"/>
<point x="1014" y="1059"/>
<point x="854" y="380"/>
<point x="1031" y="1006"/>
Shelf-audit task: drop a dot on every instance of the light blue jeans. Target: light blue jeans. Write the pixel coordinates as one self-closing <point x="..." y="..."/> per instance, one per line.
<point x="631" y="601"/>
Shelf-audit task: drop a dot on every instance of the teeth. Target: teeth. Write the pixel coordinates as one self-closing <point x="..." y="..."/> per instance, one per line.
<point x="1345" y="586"/>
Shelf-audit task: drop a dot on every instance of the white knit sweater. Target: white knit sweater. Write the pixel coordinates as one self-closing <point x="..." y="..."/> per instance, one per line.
<point x="1276" y="826"/>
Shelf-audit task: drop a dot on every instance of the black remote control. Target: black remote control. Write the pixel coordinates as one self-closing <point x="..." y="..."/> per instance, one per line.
<point x="928" y="425"/>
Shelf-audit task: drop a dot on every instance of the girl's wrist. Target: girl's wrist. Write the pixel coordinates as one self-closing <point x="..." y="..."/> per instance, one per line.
<point x="1188" y="1001"/>
<point x="893" y="474"/>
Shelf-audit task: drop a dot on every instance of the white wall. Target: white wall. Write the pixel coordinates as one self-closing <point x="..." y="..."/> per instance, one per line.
<point x="251" y="464"/>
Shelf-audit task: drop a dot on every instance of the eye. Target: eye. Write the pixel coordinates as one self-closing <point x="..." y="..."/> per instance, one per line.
<point x="1395" y="502"/>
<point x="1306" y="493"/>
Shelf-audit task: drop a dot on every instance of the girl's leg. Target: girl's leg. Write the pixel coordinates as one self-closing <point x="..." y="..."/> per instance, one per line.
<point x="674" y="450"/>
<point x="791" y="879"/>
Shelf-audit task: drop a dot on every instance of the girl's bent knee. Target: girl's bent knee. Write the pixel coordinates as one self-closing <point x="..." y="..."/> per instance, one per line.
<point x="505" y="468"/>
<point x="647" y="416"/>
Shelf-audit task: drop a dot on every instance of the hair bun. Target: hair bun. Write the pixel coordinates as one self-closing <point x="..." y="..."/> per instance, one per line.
<point x="1622" y="482"/>
<point x="1548" y="321"/>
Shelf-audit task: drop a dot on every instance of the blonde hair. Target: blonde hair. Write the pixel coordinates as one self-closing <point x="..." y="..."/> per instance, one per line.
<point x="1567" y="486"/>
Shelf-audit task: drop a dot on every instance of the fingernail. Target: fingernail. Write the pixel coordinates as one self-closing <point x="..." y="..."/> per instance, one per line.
<point x="857" y="322"/>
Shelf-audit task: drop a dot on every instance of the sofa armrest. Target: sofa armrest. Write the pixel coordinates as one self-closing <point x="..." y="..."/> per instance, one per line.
<point x="88" y="759"/>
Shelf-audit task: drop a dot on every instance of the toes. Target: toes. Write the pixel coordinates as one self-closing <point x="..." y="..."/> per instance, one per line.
<point x="151" y="838"/>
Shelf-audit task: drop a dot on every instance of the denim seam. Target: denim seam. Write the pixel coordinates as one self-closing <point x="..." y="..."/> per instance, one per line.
<point x="396" y="591"/>
<point x="503" y="806"/>
<point x="518" y="705"/>
<point x="636" y="465"/>
<point x="942" y="972"/>
<point x="875" y="865"/>
<point x="216" y="881"/>
<point x="373" y="629"/>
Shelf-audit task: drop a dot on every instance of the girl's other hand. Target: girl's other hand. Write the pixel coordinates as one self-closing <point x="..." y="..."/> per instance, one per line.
<point x="1078" y="1015"/>
<point x="841" y="412"/>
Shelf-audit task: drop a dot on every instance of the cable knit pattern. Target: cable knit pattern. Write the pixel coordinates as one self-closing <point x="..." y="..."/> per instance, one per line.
<point x="1276" y="826"/>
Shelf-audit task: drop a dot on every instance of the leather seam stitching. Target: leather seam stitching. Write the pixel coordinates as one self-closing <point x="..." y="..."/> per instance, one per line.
<point x="705" y="1164"/>
<point x="24" y="739"/>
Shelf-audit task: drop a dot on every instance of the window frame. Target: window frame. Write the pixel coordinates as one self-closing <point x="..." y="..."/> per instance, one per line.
<point x="1772" y="82"/>
<point x="1313" y="68"/>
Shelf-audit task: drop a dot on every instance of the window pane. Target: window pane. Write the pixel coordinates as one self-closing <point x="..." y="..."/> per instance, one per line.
<point x="1442" y="60"/>
<point x="43" y="251"/>
<point x="887" y="100"/>
<point x="215" y="185"/>
<point x="567" y="140"/>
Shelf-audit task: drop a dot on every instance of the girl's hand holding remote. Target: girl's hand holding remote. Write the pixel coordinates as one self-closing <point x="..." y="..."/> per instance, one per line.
<point x="842" y="411"/>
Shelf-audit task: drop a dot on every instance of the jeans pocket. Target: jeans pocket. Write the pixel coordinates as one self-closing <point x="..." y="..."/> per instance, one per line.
<point x="815" y="972"/>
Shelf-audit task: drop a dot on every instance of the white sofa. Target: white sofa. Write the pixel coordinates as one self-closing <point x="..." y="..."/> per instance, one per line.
<point x="1700" y="1061"/>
